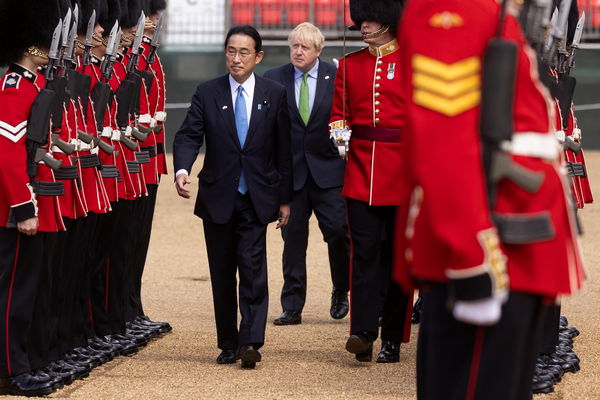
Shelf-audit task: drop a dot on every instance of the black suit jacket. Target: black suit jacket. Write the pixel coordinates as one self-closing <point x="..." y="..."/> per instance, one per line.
<point x="311" y="147"/>
<point x="265" y="157"/>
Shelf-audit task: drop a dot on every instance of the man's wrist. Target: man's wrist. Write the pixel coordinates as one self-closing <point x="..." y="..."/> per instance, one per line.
<point x="181" y="172"/>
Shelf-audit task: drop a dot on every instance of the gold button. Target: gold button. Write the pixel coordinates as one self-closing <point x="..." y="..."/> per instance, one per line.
<point x="379" y="62"/>
<point x="377" y="85"/>
<point x="378" y="69"/>
<point x="377" y="94"/>
<point x="377" y="77"/>
<point x="377" y="111"/>
<point x="377" y="102"/>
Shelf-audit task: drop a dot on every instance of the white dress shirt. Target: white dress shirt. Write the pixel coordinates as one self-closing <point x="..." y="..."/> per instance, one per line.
<point x="312" y="84"/>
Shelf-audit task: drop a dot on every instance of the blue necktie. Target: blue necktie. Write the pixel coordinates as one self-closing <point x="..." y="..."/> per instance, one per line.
<point x="241" y="125"/>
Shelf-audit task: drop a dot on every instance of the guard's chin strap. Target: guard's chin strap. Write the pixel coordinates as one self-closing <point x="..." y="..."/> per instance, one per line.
<point x="384" y="29"/>
<point x="36" y="51"/>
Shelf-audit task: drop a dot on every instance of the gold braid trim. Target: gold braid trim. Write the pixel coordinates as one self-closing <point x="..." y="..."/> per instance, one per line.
<point x="36" y="51"/>
<point x="377" y="33"/>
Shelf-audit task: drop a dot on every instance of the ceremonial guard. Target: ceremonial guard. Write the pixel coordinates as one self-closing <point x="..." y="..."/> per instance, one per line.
<point x="29" y="210"/>
<point x="489" y="234"/>
<point x="367" y="102"/>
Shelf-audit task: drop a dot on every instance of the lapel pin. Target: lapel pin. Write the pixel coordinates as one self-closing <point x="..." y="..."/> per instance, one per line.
<point x="225" y="107"/>
<point x="326" y="76"/>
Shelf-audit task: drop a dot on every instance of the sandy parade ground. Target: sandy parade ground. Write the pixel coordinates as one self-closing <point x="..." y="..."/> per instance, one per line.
<point x="306" y="361"/>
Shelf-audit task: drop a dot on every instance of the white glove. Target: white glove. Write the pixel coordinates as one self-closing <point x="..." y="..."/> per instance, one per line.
<point x="483" y="312"/>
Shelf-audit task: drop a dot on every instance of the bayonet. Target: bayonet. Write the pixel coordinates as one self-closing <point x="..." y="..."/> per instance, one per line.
<point x="53" y="52"/>
<point x="65" y="28"/>
<point x="576" y="39"/>
<point x="109" y="56"/>
<point x="137" y="42"/>
<point x="155" y="43"/>
<point x="70" y="50"/>
<point x="89" y="37"/>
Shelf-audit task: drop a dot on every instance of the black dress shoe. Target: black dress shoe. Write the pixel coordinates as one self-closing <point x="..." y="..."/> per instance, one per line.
<point x="541" y="386"/>
<point x="227" y="357"/>
<point x="361" y="345"/>
<point x="164" y="326"/>
<point x="249" y="356"/>
<point x="289" y="318"/>
<point x="339" y="304"/>
<point x="416" y="314"/>
<point x="390" y="352"/>
<point x="26" y="384"/>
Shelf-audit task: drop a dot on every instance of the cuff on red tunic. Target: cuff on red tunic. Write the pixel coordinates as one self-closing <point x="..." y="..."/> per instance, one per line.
<point x="23" y="211"/>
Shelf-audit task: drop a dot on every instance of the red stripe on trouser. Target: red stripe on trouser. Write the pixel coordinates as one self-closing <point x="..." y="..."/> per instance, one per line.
<point x="408" y="316"/>
<point x="475" y="363"/>
<point x="106" y="287"/>
<point x="351" y="263"/>
<point x="12" y="281"/>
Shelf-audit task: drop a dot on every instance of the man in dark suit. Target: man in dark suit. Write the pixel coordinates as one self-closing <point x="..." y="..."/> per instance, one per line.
<point x="318" y="174"/>
<point x="245" y="183"/>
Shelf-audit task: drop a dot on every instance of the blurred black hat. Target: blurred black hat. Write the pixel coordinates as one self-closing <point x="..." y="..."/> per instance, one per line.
<point x="386" y="12"/>
<point x="130" y="13"/>
<point x="25" y="23"/>
<point x="109" y="12"/>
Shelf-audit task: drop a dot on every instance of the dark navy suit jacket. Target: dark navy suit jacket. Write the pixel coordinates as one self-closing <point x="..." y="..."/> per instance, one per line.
<point x="265" y="157"/>
<point x="311" y="147"/>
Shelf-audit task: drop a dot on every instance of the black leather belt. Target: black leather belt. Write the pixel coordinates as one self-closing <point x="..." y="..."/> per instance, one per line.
<point x="150" y="149"/>
<point x="524" y="228"/>
<point x="67" y="172"/>
<point x="89" y="161"/>
<point x="160" y="148"/>
<point x="48" y="188"/>
<point x="133" y="167"/>
<point x="576" y="169"/>
<point x="375" y="134"/>
<point x="109" y="171"/>
<point x="142" y="157"/>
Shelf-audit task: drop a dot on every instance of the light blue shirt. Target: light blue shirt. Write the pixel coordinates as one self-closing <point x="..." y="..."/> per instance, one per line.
<point x="312" y="84"/>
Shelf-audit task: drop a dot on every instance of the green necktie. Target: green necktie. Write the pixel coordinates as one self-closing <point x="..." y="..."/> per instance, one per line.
<point x="304" y="106"/>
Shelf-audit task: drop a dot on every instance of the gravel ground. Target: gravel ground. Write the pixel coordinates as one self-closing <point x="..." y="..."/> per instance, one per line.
<point x="306" y="361"/>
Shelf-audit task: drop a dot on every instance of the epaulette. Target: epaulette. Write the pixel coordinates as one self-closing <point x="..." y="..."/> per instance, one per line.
<point x="355" y="51"/>
<point x="11" y="81"/>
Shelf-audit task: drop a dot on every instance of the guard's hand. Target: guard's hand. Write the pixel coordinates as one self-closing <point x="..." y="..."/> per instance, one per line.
<point x="180" y="182"/>
<point x="29" y="227"/>
<point x="284" y="216"/>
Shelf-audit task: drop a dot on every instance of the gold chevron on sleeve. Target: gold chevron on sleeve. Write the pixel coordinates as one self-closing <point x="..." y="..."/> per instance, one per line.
<point x="450" y="89"/>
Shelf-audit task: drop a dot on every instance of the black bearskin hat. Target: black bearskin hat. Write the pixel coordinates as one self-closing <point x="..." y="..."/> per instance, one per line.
<point x="130" y="13"/>
<point x="86" y="8"/>
<point x="25" y="23"/>
<point x="152" y="7"/>
<point x="386" y="12"/>
<point x="108" y="12"/>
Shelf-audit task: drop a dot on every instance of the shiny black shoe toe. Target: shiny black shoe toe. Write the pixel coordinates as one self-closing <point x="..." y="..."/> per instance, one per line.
<point x="250" y="356"/>
<point x="227" y="357"/>
<point x="339" y="304"/>
<point x="26" y="384"/>
<point x="390" y="352"/>
<point x="289" y="318"/>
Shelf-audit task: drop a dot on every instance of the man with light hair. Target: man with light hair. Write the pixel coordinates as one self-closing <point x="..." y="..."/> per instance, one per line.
<point x="318" y="174"/>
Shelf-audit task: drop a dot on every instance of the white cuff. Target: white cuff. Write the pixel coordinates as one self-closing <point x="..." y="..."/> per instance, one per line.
<point x="160" y="116"/>
<point x="181" y="171"/>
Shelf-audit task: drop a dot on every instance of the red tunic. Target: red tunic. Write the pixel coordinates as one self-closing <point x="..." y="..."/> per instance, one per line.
<point x="18" y="90"/>
<point x="158" y="106"/>
<point x="372" y="85"/>
<point x="447" y="232"/>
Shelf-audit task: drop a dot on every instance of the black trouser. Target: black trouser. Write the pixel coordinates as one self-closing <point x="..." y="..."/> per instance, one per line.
<point x="144" y="215"/>
<point x="104" y="278"/>
<point x="458" y="361"/>
<point x="328" y="205"/>
<point x="21" y="264"/>
<point x="239" y="246"/>
<point x="42" y="347"/>
<point x="373" y="292"/>
<point x="550" y="328"/>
